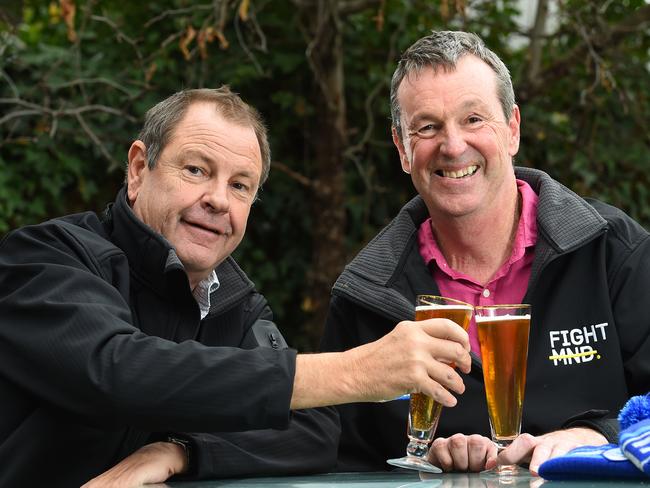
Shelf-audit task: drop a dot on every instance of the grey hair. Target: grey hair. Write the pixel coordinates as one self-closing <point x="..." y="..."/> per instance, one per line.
<point x="443" y="49"/>
<point x="161" y="120"/>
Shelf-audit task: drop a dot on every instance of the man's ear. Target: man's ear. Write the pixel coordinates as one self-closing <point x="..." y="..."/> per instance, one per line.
<point x="406" y="165"/>
<point x="514" y="127"/>
<point x="136" y="170"/>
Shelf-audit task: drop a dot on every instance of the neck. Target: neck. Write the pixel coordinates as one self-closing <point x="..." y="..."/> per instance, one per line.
<point x="478" y="245"/>
<point x="195" y="279"/>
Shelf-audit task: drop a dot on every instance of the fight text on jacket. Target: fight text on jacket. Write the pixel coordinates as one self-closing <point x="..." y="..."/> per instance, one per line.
<point x="575" y="346"/>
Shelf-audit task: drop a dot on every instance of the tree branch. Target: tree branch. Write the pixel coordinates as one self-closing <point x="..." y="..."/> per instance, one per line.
<point x="35" y="109"/>
<point x="294" y="175"/>
<point x="536" y="40"/>
<point x="18" y="113"/>
<point x="178" y="11"/>
<point x="603" y="41"/>
<point x="244" y="46"/>
<point x="354" y="6"/>
<point x="83" y="81"/>
<point x="114" y="164"/>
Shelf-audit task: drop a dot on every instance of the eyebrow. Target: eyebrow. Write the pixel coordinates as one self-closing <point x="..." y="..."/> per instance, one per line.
<point x="475" y="103"/>
<point x="465" y="106"/>
<point x="198" y="154"/>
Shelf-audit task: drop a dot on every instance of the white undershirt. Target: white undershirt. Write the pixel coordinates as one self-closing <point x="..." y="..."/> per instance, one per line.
<point x="202" y="291"/>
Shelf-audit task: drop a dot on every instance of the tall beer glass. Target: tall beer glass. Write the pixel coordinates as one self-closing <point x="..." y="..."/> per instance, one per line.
<point x="424" y="412"/>
<point x="503" y="336"/>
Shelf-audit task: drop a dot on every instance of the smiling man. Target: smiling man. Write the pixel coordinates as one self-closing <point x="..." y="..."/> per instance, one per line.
<point x="131" y="343"/>
<point x="486" y="232"/>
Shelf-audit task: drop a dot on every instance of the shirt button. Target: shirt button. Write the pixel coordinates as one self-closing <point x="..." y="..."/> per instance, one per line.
<point x="486" y="293"/>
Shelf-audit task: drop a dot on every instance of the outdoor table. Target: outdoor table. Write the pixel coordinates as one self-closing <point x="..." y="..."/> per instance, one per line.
<point x="399" y="479"/>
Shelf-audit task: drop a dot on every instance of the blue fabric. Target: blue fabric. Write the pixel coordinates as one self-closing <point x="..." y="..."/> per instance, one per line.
<point x="635" y="444"/>
<point x="635" y="410"/>
<point x="630" y="460"/>
<point x="590" y="462"/>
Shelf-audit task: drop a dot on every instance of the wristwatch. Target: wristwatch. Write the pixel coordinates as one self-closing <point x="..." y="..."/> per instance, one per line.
<point x="184" y="443"/>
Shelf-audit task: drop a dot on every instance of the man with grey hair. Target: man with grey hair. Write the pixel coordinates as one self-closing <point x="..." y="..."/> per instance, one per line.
<point x="486" y="232"/>
<point x="132" y="342"/>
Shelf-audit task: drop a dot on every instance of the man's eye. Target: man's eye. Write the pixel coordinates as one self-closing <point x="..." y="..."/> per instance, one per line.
<point x="427" y="131"/>
<point x="194" y="170"/>
<point x="240" y="186"/>
<point x="474" y="119"/>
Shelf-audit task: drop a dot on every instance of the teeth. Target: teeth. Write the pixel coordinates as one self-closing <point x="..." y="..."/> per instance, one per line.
<point x="468" y="171"/>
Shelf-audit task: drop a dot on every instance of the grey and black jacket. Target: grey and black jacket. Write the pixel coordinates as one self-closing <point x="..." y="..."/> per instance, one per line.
<point x="589" y="346"/>
<point x="102" y="350"/>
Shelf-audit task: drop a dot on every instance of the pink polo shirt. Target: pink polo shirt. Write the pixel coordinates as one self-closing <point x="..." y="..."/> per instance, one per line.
<point x="509" y="283"/>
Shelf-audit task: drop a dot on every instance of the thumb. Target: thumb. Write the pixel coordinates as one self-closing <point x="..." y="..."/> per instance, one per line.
<point x="491" y="462"/>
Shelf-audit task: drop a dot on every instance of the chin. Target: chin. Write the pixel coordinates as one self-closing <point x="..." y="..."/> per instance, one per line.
<point x="453" y="209"/>
<point x="199" y="262"/>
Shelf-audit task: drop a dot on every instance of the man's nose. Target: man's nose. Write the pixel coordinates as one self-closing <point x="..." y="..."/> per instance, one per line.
<point x="216" y="197"/>
<point x="453" y="143"/>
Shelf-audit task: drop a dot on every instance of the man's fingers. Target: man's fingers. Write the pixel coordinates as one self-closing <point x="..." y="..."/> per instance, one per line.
<point x="479" y="449"/>
<point x="419" y="357"/>
<point x="447" y="330"/>
<point x="541" y="453"/>
<point x="461" y="453"/>
<point x="519" y="451"/>
<point x="438" y="393"/>
<point x="491" y="462"/>
<point x="446" y="376"/>
<point x="458" y="451"/>
<point x="536" y="450"/>
<point x="451" y="344"/>
<point x="547" y="449"/>
<point x="439" y="454"/>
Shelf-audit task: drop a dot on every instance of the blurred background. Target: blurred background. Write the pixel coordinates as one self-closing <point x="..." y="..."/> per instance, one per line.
<point x="76" y="77"/>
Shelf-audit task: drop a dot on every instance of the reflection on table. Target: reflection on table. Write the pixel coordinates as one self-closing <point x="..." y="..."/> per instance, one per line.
<point x="399" y="479"/>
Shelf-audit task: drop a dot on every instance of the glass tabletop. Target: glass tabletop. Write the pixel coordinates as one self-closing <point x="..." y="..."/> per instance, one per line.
<point x="400" y="479"/>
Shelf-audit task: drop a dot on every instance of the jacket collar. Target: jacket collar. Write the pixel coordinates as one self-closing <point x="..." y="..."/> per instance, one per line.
<point x="151" y="257"/>
<point x="154" y="261"/>
<point x="565" y="221"/>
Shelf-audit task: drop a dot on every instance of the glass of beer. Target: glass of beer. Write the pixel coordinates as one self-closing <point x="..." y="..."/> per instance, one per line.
<point x="503" y="337"/>
<point x="424" y="412"/>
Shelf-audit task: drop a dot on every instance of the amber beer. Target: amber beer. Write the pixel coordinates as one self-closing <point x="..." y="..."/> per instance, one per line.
<point x="504" y="352"/>
<point x="424" y="412"/>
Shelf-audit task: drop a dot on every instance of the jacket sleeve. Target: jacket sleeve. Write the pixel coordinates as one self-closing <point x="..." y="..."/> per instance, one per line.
<point x="309" y="445"/>
<point x="629" y="276"/>
<point x="597" y="420"/>
<point x="630" y="294"/>
<point x="66" y="337"/>
<point x="359" y="449"/>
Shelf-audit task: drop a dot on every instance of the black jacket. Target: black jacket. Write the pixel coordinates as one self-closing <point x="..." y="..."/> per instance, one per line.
<point x="102" y="350"/>
<point x="589" y="289"/>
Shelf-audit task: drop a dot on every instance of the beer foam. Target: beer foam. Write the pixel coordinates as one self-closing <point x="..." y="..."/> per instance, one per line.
<point x="435" y="306"/>
<point x="500" y="318"/>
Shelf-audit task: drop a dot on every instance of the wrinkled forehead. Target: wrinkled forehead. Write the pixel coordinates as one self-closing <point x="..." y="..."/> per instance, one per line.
<point x="470" y="74"/>
<point x="205" y="126"/>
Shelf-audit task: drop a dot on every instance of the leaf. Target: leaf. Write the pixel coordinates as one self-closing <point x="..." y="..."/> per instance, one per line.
<point x="148" y="75"/>
<point x="185" y="40"/>
<point x="68" y="10"/>
<point x="223" y="42"/>
<point x="243" y="10"/>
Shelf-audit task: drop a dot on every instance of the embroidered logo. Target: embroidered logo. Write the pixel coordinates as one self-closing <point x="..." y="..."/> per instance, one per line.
<point x="576" y="345"/>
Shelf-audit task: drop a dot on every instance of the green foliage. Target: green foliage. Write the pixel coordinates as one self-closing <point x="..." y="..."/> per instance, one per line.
<point x="70" y="108"/>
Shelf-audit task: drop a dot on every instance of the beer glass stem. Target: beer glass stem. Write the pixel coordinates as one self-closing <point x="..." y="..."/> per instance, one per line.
<point x="505" y="469"/>
<point x="417" y="447"/>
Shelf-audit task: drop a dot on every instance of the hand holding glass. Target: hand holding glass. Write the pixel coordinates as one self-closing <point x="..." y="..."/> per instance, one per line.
<point x="503" y="336"/>
<point x="424" y="412"/>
